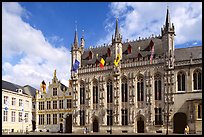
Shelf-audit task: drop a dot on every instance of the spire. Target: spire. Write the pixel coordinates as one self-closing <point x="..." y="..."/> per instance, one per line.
<point x="76" y="38"/>
<point x="55" y="73"/>
<point x="116" y="29"/>
<point x="118" y="37"/>
<point x="168" y="23"/>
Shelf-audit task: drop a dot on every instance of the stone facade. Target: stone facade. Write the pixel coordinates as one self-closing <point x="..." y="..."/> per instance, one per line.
<point x="16" y="107"/>
<point x="52" y="106"/>
<point x="137" y="95"/>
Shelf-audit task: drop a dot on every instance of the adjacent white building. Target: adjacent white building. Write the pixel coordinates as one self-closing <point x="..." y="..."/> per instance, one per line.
<point x="16" y="107"/>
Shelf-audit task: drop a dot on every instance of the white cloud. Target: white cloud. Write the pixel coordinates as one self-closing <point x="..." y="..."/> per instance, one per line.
<point x="37" y="57"/>
<point x="142" y="19"/>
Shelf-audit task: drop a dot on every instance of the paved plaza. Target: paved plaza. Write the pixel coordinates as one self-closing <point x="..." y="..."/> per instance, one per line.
<point x="95" y="133"/>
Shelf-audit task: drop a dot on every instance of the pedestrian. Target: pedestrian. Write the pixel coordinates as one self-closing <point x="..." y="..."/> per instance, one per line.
<point x="186" y="130"/>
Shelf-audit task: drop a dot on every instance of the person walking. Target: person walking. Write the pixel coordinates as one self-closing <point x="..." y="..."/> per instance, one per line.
<point x="187" y="130"/>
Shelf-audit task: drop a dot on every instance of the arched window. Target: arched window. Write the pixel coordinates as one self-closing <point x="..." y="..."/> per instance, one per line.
<point x="181" y="81"/>
<point x="82" y="93"/>
<point x="109" y="52"/>
<point x="95" y="94"/>
<point x="140" y="89"/>
<point x="197" y="80"/>
<point x="129" y="49"/>
<point x="124" y="87"/>
<point x="90" y="55"/>
<point x="157" y="87"/>
<point x="109" y="92"/>
<point x="124" y="116"/>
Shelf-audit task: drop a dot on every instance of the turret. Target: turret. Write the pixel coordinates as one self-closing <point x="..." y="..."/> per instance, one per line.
<point x="76" y="51"/>
<point x="82" y="43"/>
<point x="168" y="34"/>
<point x="117" y="42"/>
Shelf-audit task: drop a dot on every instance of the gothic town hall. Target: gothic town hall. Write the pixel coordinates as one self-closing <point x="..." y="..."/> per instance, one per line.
<point x="139" y="86"/>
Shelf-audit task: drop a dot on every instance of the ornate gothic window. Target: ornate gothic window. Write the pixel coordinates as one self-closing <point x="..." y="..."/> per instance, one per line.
<point x="140" y="89"/>
<point x="95" y="93"/>
<point x="109" y="117"/>
<point x="197" y="80"/>
<point x="82" y="117"/>
<point x="199" y="111"/>
<point x="54" y="91"/>
<point x="124" y="116"/>
<point x="82" y="93"/>
<point x="157" y="87"/>
<point x="109" y="92"/>
<point x="124" y="87"/>
<point x="158" y="116"/>
<point x="181" y="81"/>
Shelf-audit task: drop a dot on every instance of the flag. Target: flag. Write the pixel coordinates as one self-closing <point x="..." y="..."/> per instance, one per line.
<point x="6" y="107"/>
<point x="152" y="54"/>
<point x="105" y="56"/>
<point x="43" y="86"/>
<point x="76" y="65"/>
<point x="149" y="47"/>
<point x="102" y="62"/>
<point x="117" y="60"/>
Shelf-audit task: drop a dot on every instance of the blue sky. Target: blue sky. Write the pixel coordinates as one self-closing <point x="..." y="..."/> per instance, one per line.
<point x="37" y="36"/>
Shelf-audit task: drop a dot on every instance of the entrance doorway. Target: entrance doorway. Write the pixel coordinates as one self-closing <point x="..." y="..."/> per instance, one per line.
<point x="180" y="122"/>
<point x="68" y="127"/>
<point x="33" y="125"/>
<point x="95" y="125"/>
<point x="140" y="125"/>
<point x="61" y="127"/>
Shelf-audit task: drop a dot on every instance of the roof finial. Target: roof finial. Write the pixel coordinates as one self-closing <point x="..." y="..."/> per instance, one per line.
<point x="75" y="25"/>
<point x="82" y="33"/>
<point x="168" y="17"/>
<point x="55" y="73"/>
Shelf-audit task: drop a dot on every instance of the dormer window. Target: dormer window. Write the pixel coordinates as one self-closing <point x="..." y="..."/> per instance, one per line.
<point x="90" y="55"/>
<point x="19" y="90"/>
<point x="129" y="49"/>
<point x="54" y="91"/>
<point x="109" y="52"/>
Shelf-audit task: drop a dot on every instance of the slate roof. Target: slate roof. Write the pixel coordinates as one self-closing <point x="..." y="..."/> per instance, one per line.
<point x="185" y="53"/>
<point x="28" y="90"/>
<point x="180" y="54"/>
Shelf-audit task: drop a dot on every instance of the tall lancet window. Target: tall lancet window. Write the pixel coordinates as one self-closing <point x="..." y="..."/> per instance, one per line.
<point x="124" y="116"/>
<point x="82" y="93"/>
<point x="181" y="81"/>
<point x="82" y="117"/>
<point x="95" y="94"/>
<point x="140" y="89"/>
<point x="124" y="87"/>
<point x="109" y="92"/>
<point x="197" y="80"/>
<point x="157" y="87"/>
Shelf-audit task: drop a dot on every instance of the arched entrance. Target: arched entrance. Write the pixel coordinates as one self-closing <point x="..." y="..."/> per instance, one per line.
<point x="180" y="122"/>
<point x="95" y="125"/>
<point x="68" y="126"/>
<point x="140" y="125"/>
<point x="61" y="127"/>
